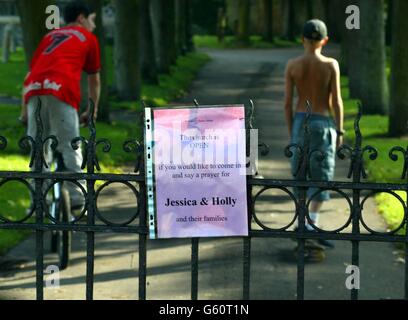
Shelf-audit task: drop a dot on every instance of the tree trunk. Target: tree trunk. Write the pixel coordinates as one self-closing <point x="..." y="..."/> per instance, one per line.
<point x="265" y="8"/>
<point x="310" y="9"/>
<point x="127" y="49"/>
<point x="103" y="114"/>
<point x="221" y="24"/>
<point x="155" y="13"/>
<point x="399" y="78"/>
<point x="7" y="36"/>
<point x="278" y="18"/>
<point x="369" y="62"/>
<point x="181" y="21"/>
<point x="346" y="54"/>
<point x="334" y="18"/>
<point x="318" y="9"/>
<point x="168" y="50"/>
<point x="244" y="13"/>
<point x="300" y="17"/>
<point x="33" y="17"/>
<point x="289" y="18"/>
<point x="189" y="26"/>
<point x="148" y="52"/>
<point x="389" y="24"/>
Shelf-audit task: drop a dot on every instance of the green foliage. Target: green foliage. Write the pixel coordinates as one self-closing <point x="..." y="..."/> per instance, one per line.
<point x="13" y="73"/>
<point x="230" y="42"/>
<point x="374" y="129"/>
<point x="391" y="208"/>
<point x="171" y="86"/>
<point x="205" y="15"/>
<point x="10" y="238"/>
<point x="110" y="67"/>
<point x="117" y="133"/>
<point x="14" y="198"/>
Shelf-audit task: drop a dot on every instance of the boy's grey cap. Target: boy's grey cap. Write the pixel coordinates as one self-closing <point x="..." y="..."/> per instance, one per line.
<point x="315" y="30"/>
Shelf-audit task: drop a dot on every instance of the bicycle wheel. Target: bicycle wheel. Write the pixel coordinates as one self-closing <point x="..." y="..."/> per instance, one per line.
<point x="54" y="241"/>
<point x="54" y="210"/>
<point x="63" y="238"/>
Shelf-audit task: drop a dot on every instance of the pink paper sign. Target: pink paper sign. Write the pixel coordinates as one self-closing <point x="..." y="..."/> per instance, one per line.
<point x="196" y="172"/>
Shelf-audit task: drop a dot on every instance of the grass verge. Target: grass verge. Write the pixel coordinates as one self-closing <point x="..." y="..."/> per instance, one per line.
<point x="13" y="73"/>
<point x="170" y="87"/>
<point x="374" y="129"/>
<point x="14" y="196"/>
<point x="230" y="42"/>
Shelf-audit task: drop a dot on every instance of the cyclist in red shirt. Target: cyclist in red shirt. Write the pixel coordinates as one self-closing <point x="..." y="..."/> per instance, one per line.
<point x="54" y="77"/>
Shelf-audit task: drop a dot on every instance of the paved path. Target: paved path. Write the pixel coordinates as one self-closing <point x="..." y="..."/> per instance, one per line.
<point x="232" y="77"/>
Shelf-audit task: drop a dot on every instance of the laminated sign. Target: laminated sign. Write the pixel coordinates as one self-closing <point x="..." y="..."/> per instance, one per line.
<point x="196" y="172"/>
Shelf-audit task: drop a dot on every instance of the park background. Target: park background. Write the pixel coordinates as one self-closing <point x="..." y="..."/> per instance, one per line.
<point x="152" y="51"/>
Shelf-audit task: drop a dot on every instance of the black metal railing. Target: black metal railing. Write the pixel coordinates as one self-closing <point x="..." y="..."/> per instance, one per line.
<point x="138" y="224"/>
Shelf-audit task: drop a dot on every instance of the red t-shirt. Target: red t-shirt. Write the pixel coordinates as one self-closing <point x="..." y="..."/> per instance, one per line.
<point x="58" y="63"/>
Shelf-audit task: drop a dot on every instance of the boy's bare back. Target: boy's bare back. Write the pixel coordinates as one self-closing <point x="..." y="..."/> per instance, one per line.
<point x="314" y="77"/>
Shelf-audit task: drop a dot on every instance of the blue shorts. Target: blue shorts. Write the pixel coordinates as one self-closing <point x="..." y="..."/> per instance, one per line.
<point x="323" y="136"/>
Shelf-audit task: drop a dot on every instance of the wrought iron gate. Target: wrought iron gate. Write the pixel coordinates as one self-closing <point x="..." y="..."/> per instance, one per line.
<point x="38" y="220"/>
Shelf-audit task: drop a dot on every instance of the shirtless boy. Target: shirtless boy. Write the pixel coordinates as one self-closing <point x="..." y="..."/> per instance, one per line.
<point x="317" y="80"/>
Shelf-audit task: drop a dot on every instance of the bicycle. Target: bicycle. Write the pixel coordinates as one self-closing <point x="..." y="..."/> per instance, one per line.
<point x="60" y="211"/>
